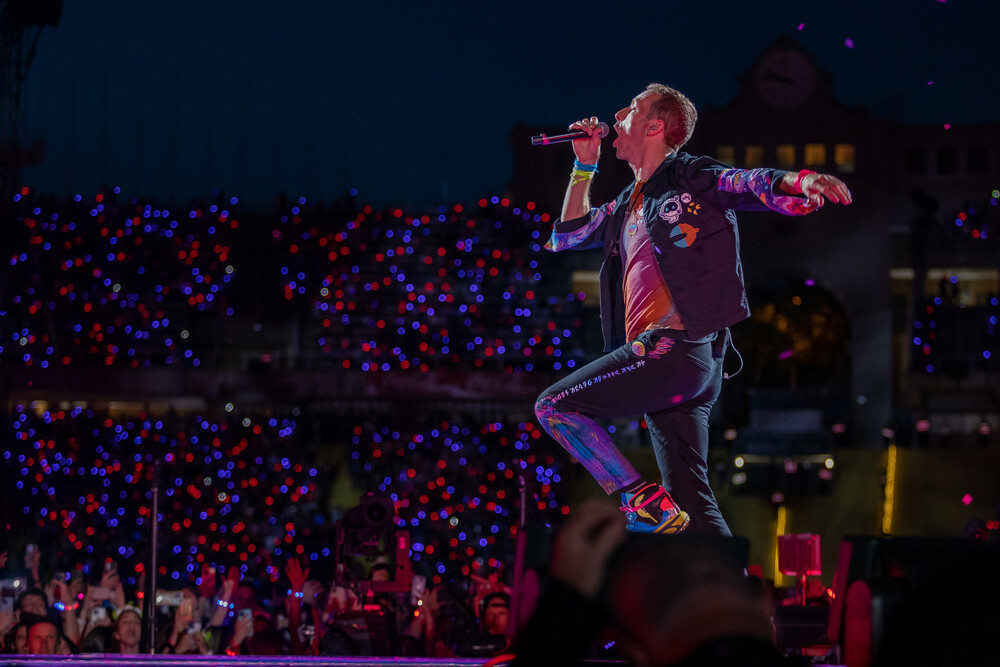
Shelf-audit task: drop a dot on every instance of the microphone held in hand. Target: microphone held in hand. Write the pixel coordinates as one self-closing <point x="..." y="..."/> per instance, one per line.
<point x="546" y="139"/>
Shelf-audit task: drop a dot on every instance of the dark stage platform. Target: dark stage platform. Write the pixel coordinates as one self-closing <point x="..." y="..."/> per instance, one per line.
<point x="114" y="660"/>
<point x="205" y="661"/>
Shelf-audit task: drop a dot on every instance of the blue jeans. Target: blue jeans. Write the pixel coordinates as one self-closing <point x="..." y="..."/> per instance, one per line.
<point x="673" y="382"/>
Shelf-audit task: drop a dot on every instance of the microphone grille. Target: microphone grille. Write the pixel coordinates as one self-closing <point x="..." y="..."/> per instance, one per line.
<point x="604" y="129"/>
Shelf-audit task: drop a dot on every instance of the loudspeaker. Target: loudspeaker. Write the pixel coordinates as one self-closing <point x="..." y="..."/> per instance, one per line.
<point x="920" y="595"/>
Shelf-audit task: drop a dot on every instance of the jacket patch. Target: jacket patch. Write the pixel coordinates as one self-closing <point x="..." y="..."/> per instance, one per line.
<point x="638" y="349"/>
<point x="683" y="235"/>
<point x="670" y="210"/>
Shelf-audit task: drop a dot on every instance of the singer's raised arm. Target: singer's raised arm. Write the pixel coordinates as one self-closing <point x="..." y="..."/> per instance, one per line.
<point x="576" y="202"/>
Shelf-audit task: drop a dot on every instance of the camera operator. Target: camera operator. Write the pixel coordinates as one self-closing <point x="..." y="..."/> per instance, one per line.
<point x="674" y="601"/>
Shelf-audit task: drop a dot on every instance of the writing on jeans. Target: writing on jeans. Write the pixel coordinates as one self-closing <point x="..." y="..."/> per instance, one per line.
<point x="583" y="384"/>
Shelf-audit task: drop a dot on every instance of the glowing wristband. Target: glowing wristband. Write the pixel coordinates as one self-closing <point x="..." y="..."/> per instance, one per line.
<point x="584" y="167"/>
<point x="222" y="603"/>
<point x="798" y="179"/>
<point x="298" y="594"/>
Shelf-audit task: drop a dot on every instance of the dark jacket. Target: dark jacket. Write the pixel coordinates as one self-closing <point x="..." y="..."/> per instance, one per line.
<point x="688" y="207"/>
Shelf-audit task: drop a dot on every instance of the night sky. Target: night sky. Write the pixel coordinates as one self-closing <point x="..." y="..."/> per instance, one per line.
<point x="413" y="102"/>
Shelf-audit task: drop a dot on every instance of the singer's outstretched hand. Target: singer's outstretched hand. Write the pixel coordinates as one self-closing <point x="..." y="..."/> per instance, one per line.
<point x="588" y="150"/>
<point x="818" y="188"/>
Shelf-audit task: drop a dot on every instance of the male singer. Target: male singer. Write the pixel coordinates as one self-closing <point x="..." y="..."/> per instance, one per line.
<point x="671" y="285"/>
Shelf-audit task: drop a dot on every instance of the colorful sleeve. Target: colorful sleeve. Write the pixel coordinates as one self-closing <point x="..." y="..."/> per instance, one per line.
<point x="760" y="184"/>
<point x="581" y="233"/>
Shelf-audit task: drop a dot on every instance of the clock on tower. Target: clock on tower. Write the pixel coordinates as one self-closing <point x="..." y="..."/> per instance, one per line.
<point x="784" y="79"/>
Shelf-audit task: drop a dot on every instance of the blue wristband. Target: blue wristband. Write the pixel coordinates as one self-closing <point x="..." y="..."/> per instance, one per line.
<point x="584" y="167"/>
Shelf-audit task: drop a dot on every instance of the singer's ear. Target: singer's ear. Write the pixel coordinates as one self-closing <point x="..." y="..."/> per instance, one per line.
<point x="655" y="127"/>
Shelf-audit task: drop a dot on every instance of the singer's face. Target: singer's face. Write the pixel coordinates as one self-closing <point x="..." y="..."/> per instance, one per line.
<point x="630" y="125"/>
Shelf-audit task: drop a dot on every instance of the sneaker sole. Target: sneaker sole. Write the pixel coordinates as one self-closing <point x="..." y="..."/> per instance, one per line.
<point x="676" y="525"/>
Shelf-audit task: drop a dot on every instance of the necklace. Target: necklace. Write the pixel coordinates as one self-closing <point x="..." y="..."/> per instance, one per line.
<point x="635" y="201"/>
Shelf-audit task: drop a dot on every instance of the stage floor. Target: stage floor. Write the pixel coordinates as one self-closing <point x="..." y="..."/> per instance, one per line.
<point x="115" y="660"/>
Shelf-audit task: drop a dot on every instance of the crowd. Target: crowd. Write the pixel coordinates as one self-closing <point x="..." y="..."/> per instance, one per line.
<point x="117" y="281"/>
<point x="246" y="513"/>
<point x="220" y="614"/>
<point x="247" y="508"/>
<point x="242" y="489"/>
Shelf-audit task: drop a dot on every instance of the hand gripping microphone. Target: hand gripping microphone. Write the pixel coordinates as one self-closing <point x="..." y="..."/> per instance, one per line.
<point x="546" y="139"/>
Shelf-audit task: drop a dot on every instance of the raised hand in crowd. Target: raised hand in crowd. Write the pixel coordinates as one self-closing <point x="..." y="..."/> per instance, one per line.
<point x="58" y="597"/>
<point x="297" y="578"/>
<point x="225" y="597"/>
<point x="32" y="560"/>
<point x="192" y="642"/>
<point x="296" y="575"/>
<point x="242" y="629"/>
<point x="6" y="622"/>
<point x="312" y="591"/>
<point x="109" y="590"/>
<point x="86" y="620"/>
<point x="110" y="581"/>
<point x="56" y="592"/>
<point x="77" y="585"/>
<point x="183" y="618"/>
<point x="209" y="585"/>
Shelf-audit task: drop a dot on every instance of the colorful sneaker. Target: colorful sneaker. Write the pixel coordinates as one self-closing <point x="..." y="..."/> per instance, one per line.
<point x="652" y="510"/>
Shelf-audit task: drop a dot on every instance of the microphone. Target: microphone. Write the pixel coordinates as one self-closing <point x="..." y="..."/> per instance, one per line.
<point x="545" y="139"/>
